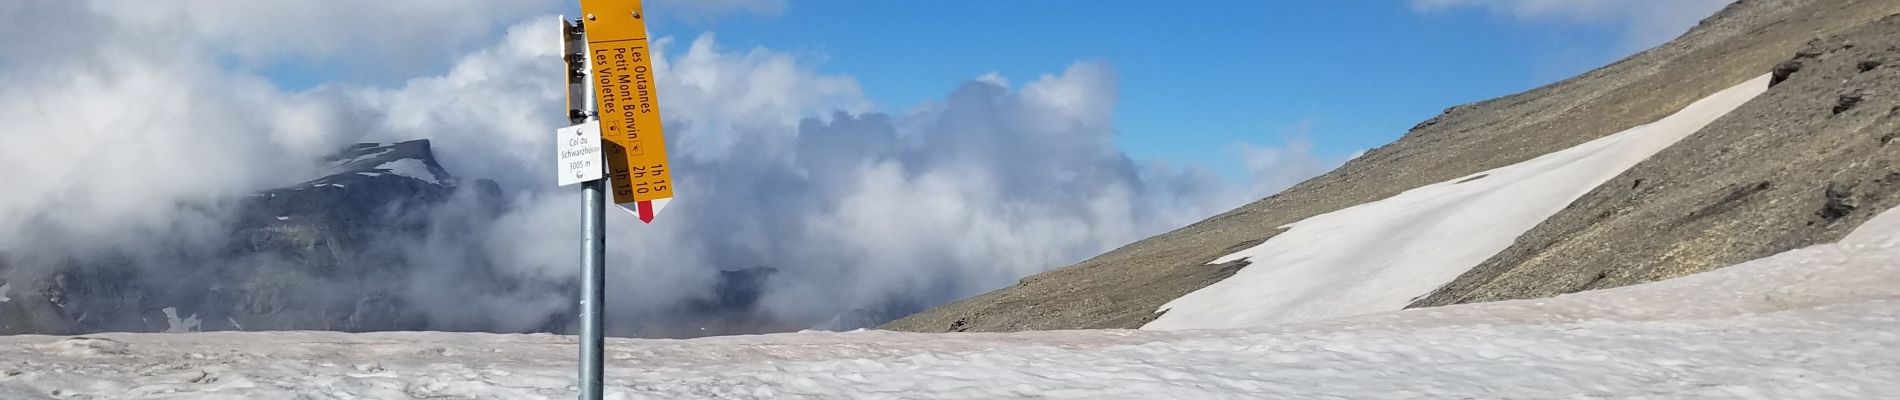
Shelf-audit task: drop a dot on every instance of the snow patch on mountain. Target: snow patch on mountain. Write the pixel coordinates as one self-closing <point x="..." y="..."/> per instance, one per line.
<point x="412" y="168"/>
<point x="3" y="292"/>
<point x="1382" y="255"/>
<point x="365" y="156"/>
<point x="173" y="324"/>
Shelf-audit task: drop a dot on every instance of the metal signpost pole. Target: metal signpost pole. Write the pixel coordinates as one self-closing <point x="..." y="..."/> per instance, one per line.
<point x="609" y="64"/>
<point x="593" y="287"/>
<point x="593" y="219"/>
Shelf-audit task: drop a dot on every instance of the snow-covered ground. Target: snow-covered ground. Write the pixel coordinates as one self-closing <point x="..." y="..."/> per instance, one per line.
<point x="1816" y="323"/>
<point x="1381" y="256"/>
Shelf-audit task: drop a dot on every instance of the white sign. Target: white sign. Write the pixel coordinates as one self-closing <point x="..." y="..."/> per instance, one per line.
<point x="578" y="153"/>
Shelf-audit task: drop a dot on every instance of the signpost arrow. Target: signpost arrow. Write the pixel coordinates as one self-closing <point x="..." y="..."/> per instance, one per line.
<point x="647" y="210"/>
<point x="620" y="63"/>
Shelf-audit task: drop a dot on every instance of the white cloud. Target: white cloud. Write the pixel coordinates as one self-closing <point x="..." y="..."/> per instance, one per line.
<point x="1275" y="168"/>
<point x="386" y="39"/>
<point x="745" y="98"/>
<point x="993" y="78"/>
<point x="1646" y="22"/>
<point x="778" y="165"/>
<point x="103" y="140"/>
<point x="409" y="36"/>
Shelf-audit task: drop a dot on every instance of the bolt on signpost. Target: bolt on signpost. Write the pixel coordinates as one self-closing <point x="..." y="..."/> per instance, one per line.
<point x="610" y="73"/>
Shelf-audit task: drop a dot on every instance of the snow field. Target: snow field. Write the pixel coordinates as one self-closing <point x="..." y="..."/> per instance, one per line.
<point x="1816" y="323"/>
<point x="1382" y="255"/>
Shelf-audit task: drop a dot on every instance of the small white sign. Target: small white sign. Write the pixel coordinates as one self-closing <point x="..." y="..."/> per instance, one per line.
<point x="578" y="153"/>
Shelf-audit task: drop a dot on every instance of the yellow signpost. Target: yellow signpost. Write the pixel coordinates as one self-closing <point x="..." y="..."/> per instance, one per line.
<point x="620" y="60"/>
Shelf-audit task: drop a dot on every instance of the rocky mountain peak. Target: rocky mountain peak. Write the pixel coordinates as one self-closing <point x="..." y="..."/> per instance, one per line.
<point x="411" y="159"/>
<point x="304" y="256"/>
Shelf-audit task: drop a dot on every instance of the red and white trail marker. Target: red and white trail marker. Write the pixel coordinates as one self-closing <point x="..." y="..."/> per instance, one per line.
<point x="646" y="210"/>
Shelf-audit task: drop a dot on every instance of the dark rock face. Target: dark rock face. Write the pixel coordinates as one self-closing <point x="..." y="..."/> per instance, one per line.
<point x="1847" y="102"/>
<point x="1123" y="288"/>
<point x="299" y="257"/>
<point x="1838" y="205"/>
<point x="1783" y="71"/>
<point x="1709" y="203"/>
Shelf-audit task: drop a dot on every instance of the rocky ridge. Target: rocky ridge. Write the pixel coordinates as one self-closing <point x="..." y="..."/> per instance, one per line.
<point x="1805" y="163"/>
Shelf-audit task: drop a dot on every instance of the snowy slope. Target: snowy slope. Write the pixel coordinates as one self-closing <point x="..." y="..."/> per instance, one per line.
<point x="1380" y="256"/>
<point x="1816" y="323"/>
<point x="412" y="168"/>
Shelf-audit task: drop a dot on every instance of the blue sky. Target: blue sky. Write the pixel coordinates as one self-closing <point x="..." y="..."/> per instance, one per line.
<point x="1195" y="81"/>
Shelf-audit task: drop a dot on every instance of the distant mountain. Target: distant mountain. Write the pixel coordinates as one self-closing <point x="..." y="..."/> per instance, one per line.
<point x="340" y="252"/>
<point x="299" y="257"/>
<point x="1802" y="164"/>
